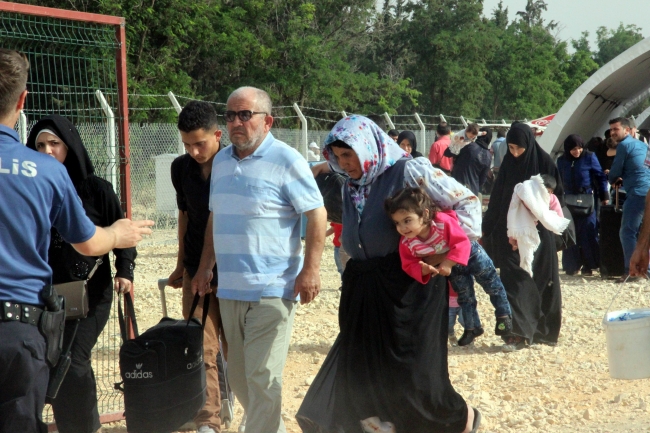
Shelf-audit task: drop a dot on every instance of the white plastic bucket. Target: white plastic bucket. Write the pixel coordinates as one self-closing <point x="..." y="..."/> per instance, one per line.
<point x="628" y="343"/>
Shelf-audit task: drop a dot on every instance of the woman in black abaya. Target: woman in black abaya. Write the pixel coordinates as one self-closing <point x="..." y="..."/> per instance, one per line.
<point x="389" y="361"/>
<point x="75" y="407"/>
<point x="536" y="301"/>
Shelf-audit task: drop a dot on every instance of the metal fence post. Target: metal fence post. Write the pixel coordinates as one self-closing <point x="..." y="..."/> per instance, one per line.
<point x="303" y="129"/>
<point x="390" y="122"/>
<point x="462" y="119"/>
<point x="22" y="127"/>
<point x="111" y="149"/>
<point x="442" y="119"/>
<point x="344" y="114"/>
<point x="178" y="108"/>
<point x="423" y="131"/>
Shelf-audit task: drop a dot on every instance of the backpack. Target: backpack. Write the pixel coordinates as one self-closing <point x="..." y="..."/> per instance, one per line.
<point x="163" y="373"/>
<point x="330" y="186"/>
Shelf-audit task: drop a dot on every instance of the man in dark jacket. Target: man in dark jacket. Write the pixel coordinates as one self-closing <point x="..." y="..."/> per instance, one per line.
<point x="472" y="164"/>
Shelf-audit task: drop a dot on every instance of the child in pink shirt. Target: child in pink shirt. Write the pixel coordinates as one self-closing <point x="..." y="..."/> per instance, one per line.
<point x="554" y="204"/>
<point x="428" y="231"/>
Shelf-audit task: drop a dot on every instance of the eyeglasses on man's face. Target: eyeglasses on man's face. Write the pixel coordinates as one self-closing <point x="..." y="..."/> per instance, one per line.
<point x="244" y="115"/>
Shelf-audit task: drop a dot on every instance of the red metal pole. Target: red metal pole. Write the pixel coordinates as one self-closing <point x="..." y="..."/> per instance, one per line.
<point x="122" y="81"/>
<point x="60" y="13"/>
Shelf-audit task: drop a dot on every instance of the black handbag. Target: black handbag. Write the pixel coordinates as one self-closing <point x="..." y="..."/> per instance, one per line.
<point x="330" y="186"/>
<point x="76" y="295"/>
<point x="163" y="373"/>
<point x="568" y="237"/>
<point x="579" y="204"/>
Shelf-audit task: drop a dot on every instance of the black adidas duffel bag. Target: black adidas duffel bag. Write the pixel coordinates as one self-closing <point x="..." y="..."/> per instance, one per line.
<point x="163" y="374"/>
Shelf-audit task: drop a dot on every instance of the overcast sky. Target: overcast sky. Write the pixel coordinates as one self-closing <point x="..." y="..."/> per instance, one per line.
<point x="577" y="16"/>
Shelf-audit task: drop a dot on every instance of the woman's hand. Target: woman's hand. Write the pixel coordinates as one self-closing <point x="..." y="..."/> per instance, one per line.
<point x="428" y="269"/>
<point x="514" y="244"/>
<point x="435" y="259"/>
<point x="445" y="267"/>
<point x="122" y="285"/>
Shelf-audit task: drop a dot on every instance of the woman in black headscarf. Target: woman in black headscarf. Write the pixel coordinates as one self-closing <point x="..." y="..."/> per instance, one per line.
<point x="536" y="301"/>
<point x="580" y="171"/>
<point x="408" y="142"/>
<point x="75" y="407"/>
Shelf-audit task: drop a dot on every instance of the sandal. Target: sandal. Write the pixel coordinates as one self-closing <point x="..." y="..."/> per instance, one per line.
<point x="477" y="420"/>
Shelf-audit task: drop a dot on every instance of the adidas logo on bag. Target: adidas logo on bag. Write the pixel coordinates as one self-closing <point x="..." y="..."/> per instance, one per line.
<point x="138" y="373"/>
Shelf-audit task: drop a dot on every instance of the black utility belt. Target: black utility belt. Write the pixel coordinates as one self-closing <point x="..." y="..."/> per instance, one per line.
<point x="15" y="312"/>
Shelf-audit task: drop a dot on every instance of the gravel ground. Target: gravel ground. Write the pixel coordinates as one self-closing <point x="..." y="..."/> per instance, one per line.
<point x="566" y="388"/>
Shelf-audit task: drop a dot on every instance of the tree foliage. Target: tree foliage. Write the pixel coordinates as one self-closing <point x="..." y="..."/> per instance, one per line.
<point x="364" y="56"/>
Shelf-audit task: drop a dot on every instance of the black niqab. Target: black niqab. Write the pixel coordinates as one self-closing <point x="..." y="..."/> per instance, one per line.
<point x="77" y="161"/>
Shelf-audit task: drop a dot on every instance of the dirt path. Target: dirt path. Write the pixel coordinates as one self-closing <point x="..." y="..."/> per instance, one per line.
<point x="541" y="389"/>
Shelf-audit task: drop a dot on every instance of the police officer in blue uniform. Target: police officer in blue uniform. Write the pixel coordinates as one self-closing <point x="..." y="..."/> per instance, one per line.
<point x="36" y="194"/>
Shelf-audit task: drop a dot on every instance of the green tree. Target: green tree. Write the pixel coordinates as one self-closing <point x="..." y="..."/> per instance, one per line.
<point x="611" y="43"/>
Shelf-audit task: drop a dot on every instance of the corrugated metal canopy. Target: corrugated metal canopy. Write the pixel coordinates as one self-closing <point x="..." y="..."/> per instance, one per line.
<point x="611" y="92"/>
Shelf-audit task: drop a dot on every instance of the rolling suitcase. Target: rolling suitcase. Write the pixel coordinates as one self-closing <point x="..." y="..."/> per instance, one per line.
<point x="163" y="373"/>
<point x="227" y="397"/>
<point x="612" y="263"/>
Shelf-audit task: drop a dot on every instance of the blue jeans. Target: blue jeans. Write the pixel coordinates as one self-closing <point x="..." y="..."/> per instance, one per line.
<point x="337" y="260"/>
<point x="453" y="313"/>
<point x="481" y="268"/>
<point x="630" y="224"/>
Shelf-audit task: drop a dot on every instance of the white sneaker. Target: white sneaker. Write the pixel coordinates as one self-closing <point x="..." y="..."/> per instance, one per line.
<point x="242" y="424"/>
<point x="205" y="429"/>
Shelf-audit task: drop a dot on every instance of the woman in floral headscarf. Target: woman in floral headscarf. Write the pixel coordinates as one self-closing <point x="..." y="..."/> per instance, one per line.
<point x="389" y="362"/>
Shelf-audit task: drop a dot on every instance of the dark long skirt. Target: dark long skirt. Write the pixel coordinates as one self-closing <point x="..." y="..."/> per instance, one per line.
<point x="390" y="357"/>
<point x="536" y="302"/>
<point x="586" y="253"/>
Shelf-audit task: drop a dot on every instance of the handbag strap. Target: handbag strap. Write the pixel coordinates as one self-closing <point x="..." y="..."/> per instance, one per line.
<point x="92" y="271"/>
<point x="131" y="315"/>
<point x="206" y="306"/>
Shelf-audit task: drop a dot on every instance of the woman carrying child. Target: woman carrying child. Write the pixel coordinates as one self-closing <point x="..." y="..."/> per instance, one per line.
<point x="389" y="361"/>
<point x="536" y="301"/>
<point x="428" y="231"/>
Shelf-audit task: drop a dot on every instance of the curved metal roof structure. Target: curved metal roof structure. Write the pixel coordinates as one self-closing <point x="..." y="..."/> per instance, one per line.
<point x="611" y="92"/>
<point x="643" y="119"/>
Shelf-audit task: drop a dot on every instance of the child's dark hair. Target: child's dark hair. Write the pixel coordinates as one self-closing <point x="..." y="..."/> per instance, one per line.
<point x="411" y="200"/>
<point x="549" y="181"/>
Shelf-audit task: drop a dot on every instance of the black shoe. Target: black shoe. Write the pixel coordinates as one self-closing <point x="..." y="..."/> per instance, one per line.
<point x="504" y="325"/>
<point x="469" y="336"/>
<point x="514" y="343"/>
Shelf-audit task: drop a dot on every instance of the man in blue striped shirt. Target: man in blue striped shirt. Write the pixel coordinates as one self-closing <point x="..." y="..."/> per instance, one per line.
<point x="259" y="188"/>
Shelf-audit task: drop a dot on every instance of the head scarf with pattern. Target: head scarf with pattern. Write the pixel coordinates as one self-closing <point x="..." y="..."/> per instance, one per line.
<point x="375" y="149"/>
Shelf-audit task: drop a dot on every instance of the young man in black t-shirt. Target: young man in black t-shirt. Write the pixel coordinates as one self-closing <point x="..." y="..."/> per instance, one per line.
<point x="191" y="178"/>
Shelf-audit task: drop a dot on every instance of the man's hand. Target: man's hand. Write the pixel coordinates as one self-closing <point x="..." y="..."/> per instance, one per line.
<point x="639" y="262"/>
<point x="428" y="269"/>
<point x="128" y="233"/>
<point x="307" y="285"/>
<point x="618" y="183"/>
<point x="122" y="285"/>
<point x="175" y="280"/>
<point x="604" y="202"/>
<point x="201" y="282"/>
<point x="514" y="244"/>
